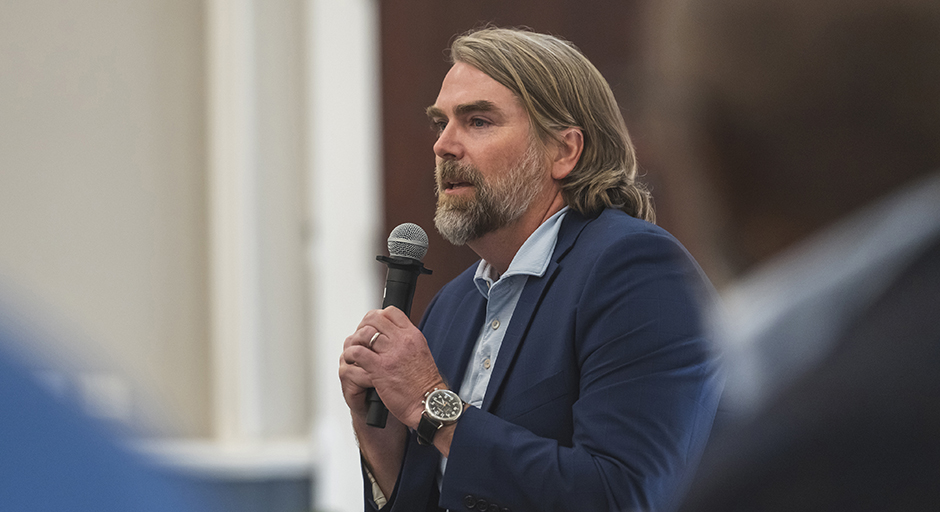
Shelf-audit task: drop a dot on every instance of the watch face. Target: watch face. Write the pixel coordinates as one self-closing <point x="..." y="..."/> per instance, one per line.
<point x="443" y="405"/>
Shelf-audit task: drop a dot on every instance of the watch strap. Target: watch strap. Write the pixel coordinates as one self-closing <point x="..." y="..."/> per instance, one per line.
<point x="427" y="429"/>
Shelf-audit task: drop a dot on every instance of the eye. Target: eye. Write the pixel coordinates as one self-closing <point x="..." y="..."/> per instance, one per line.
<point x="477" y="122"/>
<point x="438" y="125"/>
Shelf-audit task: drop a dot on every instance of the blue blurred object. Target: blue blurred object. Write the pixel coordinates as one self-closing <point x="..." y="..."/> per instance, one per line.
<point x="54" y="458"/>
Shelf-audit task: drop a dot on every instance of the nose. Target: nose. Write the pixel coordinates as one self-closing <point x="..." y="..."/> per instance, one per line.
<point x="448" y="146"/>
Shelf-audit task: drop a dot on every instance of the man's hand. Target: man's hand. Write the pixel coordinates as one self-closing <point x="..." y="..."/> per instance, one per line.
<point x="389" y="353"/>
<point x="396" y="362"/>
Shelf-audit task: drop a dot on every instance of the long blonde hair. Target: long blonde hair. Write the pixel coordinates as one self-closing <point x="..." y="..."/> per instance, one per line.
<point x="560" y="89"/>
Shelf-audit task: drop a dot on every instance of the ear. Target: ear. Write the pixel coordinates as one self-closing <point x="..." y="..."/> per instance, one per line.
<point x="567" y="152"/>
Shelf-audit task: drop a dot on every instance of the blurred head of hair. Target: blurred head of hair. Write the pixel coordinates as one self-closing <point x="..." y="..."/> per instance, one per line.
<point x="794" y="112"/>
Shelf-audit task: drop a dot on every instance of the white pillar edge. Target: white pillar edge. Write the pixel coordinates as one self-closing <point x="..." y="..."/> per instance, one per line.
<point x="233" y="222"/>
<point x="344" y="195"/>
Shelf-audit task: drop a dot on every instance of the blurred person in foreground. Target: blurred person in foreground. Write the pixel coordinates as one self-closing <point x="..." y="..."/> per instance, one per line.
<point x="814" y="130"/>
<point x="576" y="344"/>
<point x="53" y="458"/>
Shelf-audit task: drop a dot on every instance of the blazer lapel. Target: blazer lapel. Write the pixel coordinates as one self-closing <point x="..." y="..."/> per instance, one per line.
<point x="452" y="352"/>
<point x="532" y="295"/>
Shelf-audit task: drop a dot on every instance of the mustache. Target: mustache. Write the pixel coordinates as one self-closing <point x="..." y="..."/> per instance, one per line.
<point x="450" y="171"/>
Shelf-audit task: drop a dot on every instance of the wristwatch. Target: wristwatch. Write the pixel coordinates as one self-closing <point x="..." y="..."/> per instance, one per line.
<point x="441" y="407"/>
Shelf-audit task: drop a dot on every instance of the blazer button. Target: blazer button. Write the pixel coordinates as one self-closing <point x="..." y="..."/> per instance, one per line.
<point x="482" y="505"/>
<point x="470" y="501"/>
<point x="492" y="508"/>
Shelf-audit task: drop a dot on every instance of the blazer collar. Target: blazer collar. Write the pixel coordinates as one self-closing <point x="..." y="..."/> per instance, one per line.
<point x="452" y="355"/>
<point x="529" y="301"/>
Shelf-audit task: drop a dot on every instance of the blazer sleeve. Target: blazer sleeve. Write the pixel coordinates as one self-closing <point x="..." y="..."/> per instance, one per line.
<point x="645" y="392"/>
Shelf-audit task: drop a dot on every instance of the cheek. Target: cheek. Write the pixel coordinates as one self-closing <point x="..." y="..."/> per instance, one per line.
<point x="500" y="160"/>
<point x="496" y="155"/>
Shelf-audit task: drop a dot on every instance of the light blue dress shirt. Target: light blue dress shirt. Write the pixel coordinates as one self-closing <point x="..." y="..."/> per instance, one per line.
<point x="502" y="293"/>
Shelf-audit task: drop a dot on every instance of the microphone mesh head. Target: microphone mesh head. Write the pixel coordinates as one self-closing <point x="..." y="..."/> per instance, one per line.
<point x="408" y="240"/>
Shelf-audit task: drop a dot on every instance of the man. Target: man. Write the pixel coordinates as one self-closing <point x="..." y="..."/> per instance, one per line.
<point x="818" y="125"/>
<point x="575" y="343"/>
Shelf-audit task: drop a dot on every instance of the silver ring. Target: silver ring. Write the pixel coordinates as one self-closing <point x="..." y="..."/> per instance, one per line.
<point x="374" y="336"/>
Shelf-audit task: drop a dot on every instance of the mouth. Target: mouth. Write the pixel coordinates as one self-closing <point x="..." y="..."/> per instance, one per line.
<point x="453" y="186"/>
<point x="455" y="179"/>
<point x="456" y="185"/>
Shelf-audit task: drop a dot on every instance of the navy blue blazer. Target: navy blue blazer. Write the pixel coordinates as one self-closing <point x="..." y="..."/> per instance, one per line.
<point x="604" y="389"/>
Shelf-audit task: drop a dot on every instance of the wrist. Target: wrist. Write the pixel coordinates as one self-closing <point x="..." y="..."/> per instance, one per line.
<point x="444" y="438"/>
<point x="442" y="408"/>
<point x="414" y="417"/>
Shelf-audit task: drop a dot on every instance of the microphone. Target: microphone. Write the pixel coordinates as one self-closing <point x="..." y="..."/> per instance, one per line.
<point x="407" y="245"/>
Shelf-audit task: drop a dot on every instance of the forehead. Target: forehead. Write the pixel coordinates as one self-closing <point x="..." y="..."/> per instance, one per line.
<point x="465" y="84"/>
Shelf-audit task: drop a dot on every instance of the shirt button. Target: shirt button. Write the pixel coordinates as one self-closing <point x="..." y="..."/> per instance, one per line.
<point x="495" y="324"/>
<point x="486" y="363"/>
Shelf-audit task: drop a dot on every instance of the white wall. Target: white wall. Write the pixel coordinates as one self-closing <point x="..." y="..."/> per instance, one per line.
<point x="102" y="195"/>
<point x="189" y="212"/>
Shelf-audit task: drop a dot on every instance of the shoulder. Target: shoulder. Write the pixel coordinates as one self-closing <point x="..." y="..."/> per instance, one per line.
<point x="608" y="227"/>
<point x="615" y="257"/>
<point x="615" y="235"/>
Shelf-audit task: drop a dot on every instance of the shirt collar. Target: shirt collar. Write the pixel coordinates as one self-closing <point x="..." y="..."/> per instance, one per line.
<point x="532" y="259"/>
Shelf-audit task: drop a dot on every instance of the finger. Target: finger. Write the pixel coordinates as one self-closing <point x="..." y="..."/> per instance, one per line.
<point x="386" y="320"/>
<point x="369" y="335"/>
<point x="361" y="356"/>
<point x="356" y="376"/>
<point x="371" y="318"/>
<point x="396" y="316"/>
<point x="362" y="336"/>
<point x="351" y="340"/>
<point x="372" y="340"/>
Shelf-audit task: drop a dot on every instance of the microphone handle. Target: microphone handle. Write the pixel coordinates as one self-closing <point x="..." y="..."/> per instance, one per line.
<point x="399" y="292"/>
<point x="400" y="288"/>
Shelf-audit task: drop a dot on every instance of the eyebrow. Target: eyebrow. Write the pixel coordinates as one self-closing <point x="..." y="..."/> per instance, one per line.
<point x="464" y="108"/>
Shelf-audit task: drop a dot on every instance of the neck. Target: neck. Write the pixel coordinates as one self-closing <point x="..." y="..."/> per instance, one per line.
<point x="500" y="246"/>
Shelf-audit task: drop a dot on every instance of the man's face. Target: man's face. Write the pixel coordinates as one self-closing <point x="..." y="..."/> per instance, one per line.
<point x="489" y="166"/>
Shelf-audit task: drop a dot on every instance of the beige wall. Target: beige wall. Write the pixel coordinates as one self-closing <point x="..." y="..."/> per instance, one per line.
<point x="102" y="194"/>
<point x="189" y="218"/>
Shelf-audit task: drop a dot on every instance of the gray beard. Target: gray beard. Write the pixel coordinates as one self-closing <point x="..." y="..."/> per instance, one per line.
<point x="493" y="206"/>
